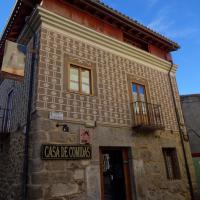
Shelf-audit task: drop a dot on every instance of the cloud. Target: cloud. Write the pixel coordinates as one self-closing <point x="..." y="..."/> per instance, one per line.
<point x="111" y="4"/>
<point x="151" y="3"/>
<point x="162" y="21"/>
<point x="183" y="33"/>
<point x="166" y="25"/>
<point x="161" y="24"/>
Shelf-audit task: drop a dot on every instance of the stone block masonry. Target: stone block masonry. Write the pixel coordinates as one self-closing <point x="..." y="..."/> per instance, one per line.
<point x="111" y="101"/>
<point x="12" y="156"/>
<point x="81" y="179"/>
<point x="11" y="167"/>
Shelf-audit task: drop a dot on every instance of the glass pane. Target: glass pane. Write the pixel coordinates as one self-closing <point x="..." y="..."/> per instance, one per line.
<point x="136" y="108"/>
<point x="134" y="92"/>
<point x="74" y="85"/>
<point x="134" y="88"/>
<point x="144" y="109"/>
<point x="85" y="78"/>
<point x="142" y="91"/>
<point x="142" y="98"/>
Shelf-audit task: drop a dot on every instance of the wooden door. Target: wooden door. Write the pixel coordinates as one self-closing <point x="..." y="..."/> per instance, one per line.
<point x="127" y="176"/>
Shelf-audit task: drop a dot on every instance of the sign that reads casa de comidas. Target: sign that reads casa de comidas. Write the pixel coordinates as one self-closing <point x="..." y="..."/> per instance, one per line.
<point x="65" y="152"/>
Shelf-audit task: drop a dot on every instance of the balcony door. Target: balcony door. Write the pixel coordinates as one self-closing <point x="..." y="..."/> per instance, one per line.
<point x="139" y="103"/>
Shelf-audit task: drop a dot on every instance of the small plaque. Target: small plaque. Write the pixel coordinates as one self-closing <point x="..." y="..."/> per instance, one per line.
<point x="56" y="115"/>
<point x="90" y="124"/>
<point x="65" y="152"/>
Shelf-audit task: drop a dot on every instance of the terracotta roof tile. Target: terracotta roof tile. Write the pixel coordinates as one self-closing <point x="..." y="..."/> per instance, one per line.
<point x="135" y="22"/>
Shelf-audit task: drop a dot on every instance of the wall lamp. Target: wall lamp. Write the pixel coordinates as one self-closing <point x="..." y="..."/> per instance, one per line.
<point x="64" y="127"/>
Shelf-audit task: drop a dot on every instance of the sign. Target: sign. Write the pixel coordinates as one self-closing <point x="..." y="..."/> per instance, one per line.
<point x="65" y="152"/>
<point x="14" y="60"/>
<point x="84" y="136"/>
<point x="56" y="115"/>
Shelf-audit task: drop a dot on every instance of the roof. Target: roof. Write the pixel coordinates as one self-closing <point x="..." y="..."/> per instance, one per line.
<point x="135" y="22"/>
<point x="189" y="96"/>
<point x="24" y="8"/>
<point x="21" y="10"/>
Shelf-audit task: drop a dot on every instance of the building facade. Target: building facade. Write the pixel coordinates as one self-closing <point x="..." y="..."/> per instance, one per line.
<point x="191" y="111"/>
<point x="101" y="92"/>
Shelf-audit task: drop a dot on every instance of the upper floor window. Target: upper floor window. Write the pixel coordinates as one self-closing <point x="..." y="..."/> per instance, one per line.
<point x="171" y="163"/>
<point x="1" y="148"/>
<point x="1" y="78"/>
<point x="138" y="92"/>
<point x="80" y="79"/>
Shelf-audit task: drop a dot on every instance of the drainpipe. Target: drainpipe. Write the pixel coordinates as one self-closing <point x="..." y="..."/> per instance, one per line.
<point x="181" y="135"/>
<point x="28" y="121"/>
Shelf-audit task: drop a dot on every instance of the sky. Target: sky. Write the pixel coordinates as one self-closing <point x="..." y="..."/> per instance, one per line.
<point x="179" y="20"/>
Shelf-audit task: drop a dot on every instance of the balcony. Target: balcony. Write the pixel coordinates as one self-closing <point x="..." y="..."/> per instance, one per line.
<point x="147" y="117"/>
<point x="5" y="122"/>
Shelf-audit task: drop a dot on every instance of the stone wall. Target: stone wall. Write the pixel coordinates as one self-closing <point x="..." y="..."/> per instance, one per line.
<point x="21" y="89"/>
<point x="12" y="157"/>
<point x="55" y="179"/>
<point x="11" y="167"/>
<point x="81" y="179"/>
<point x="111" y="102"/>
<point x="191" y="111"/>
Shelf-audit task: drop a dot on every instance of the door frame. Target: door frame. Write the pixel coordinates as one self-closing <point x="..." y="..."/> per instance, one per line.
<point x="126" y="168"/>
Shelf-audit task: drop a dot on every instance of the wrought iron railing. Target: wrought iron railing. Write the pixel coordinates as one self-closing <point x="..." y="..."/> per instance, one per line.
<point x="147" y="116"/>
<point x="5" y="121"/>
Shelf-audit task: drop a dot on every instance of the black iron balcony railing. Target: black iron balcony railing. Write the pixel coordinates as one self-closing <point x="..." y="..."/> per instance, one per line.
<point x="5" y="121"/>
<point x="147" y="116"/>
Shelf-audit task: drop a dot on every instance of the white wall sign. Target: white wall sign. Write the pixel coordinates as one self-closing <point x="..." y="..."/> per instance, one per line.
<point x="56" y="115"/>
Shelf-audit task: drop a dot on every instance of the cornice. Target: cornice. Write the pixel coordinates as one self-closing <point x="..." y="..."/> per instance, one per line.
<point x="31" y="26"/>
<point x="77" y="31"/>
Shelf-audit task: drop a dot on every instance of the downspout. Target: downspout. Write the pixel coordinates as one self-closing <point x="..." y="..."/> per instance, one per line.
<point x="28" y="121"/>
<point x="180" y="134"/>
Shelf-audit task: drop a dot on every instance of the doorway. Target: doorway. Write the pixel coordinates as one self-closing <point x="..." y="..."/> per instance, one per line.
<point x="115" y="174"/>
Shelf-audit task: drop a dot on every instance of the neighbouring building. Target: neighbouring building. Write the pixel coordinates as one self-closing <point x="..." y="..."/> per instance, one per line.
<point x="105" y="112"/>
<point x="191" y="112"/>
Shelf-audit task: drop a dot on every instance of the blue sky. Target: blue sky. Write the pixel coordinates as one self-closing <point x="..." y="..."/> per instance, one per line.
<point x="179" y="20"/>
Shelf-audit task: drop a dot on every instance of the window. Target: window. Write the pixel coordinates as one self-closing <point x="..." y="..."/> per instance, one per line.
<point x="171" y="163"/>
<point x="80" y="79"/>
<point x="8" y="113"/>
<point x="139" y="98"/>
<point x="1" y="148"/>
<point x="1" y="78"/>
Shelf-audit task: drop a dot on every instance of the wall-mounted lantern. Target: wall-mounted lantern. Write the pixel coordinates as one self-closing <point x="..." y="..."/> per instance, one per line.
<point x="64" y="127"/>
